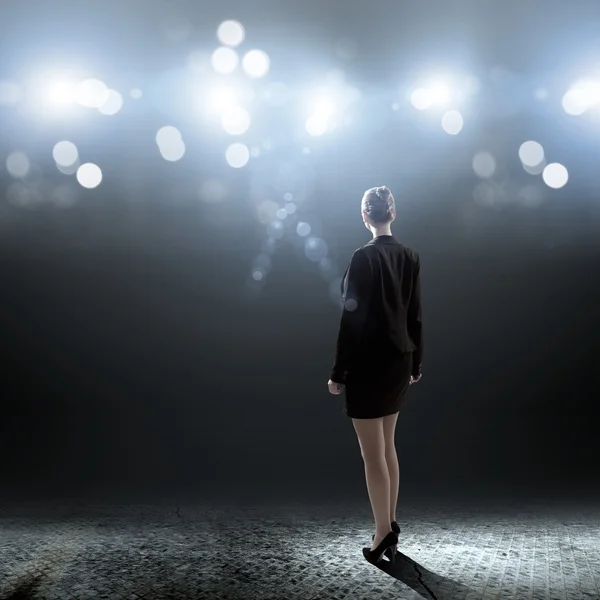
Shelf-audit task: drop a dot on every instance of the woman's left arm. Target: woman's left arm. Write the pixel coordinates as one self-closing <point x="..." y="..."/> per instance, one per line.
<point x="356" y="298"/>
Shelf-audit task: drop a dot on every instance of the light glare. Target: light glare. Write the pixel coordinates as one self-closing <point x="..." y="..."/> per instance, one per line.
<point x="236" y="120"/>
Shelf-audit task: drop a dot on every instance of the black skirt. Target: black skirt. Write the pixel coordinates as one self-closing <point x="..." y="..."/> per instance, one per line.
<point x="377" y="383"/>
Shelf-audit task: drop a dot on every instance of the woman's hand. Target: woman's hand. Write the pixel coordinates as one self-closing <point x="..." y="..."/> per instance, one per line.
<point x="335" y="388"/>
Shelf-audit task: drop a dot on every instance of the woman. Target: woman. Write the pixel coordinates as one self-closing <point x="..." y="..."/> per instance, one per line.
<point x="379" y="354"/>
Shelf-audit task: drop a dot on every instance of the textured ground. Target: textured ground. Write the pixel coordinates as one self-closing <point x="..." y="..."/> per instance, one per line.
<point x="303" y="551"/>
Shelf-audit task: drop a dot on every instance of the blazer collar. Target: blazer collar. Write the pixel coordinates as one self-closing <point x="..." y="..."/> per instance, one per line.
<point x="383" y="239"/>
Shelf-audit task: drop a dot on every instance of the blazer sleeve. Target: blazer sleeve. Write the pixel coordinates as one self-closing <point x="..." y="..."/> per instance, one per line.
<point x="356" y="296"/>
<point x="415" y="319"/>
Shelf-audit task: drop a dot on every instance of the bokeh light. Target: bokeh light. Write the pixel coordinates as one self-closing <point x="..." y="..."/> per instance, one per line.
<point x="452" y="122"/>
<point x="65" y="153"/>
<point x="237" y="155"/>
<point x="112" y="104"/>
<point x="315" y="249"/>
<point x="531" y="153"/>
<point x="236" y="120"/>
<point x="484" y="165"/>
<point x="89" y="175"/>
<point x="582" y="96"/>
<point x="256" y="63"/>
<point x="231" y="33"/>
<point x="303" y="229"/>
<point x="17" y="164"/>
<point x="555" y="175"/>
<point x="170" y="143"/>
<point x="91" y="93"/>
<point x="225" y="60"/>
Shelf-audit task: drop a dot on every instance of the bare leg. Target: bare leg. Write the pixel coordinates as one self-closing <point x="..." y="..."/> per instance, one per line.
<point x="372" y="447"/>
<point x="391" y="459"/>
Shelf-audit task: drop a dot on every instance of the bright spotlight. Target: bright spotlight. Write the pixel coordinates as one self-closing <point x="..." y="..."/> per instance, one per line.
<point x="582" y="96"/>
<point x="236" y="120"/>
<point x="436" y="93"/>
<point x="60" y="93"/>
<point x="421" y="99"/>
<point x="316" y="125"/>
<point x="324" y="108"/>
<point x="91" y="93"/>
<point x="221" y="98"/>
<point x="440" y="93"/>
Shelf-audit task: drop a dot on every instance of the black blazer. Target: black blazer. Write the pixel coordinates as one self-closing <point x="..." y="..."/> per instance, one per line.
<point x="381" y="294"/>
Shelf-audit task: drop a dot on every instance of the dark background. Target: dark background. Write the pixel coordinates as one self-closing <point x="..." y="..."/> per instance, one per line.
<point x="138" y="356"/>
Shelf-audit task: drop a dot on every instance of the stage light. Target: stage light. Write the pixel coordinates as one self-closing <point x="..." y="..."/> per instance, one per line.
<point x="435" y="93"/>
<point x="316" y="125"/>
<point x="440" y="93"/>
<point x="91" y="93"/>
<point x="582" y="96"/>
<point x="61" y="93"/>
<point x="322" y="109"/>
<point x="421" y="99"/>
<point x="221" y="98"/>
<point x="236" y="120"/>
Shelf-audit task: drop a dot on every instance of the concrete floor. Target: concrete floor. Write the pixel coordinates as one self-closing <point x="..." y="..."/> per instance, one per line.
<point x="215" y="551"/>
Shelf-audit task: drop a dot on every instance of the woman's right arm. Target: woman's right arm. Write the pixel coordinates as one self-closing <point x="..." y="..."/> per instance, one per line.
<point x="415" y="320"/>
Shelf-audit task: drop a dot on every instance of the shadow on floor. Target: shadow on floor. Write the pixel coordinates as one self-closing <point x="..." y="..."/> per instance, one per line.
<point x="26" y="590"/>
<point x="426" y="583"/>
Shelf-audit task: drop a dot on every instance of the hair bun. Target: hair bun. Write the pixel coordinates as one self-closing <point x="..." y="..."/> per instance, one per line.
<point x="382" y="192"/>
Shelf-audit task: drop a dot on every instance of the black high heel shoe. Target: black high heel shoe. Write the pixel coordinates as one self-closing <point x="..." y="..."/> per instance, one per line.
<point x="374" y="556"/>
<point x="390" y="552"/>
